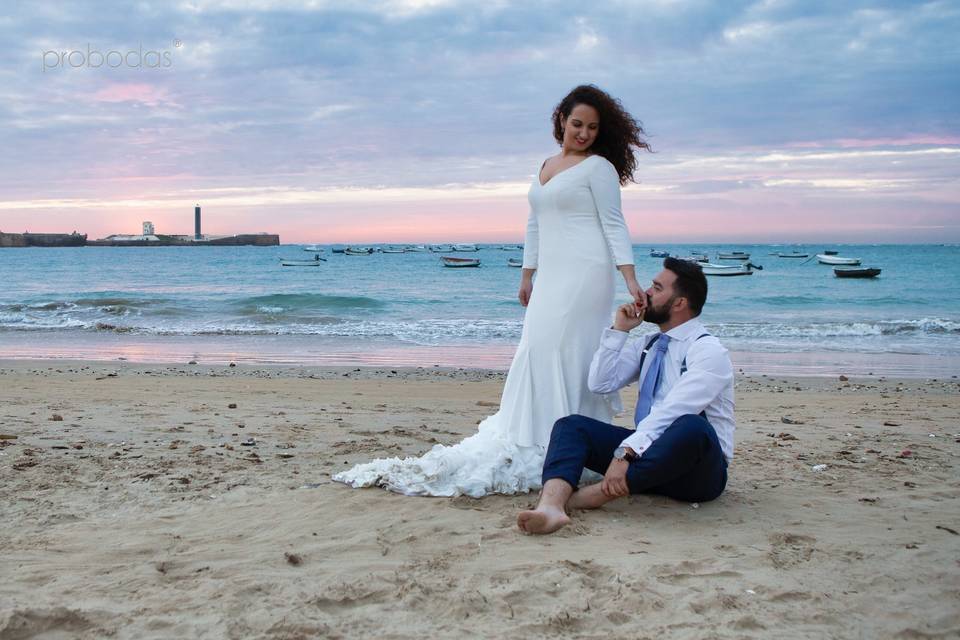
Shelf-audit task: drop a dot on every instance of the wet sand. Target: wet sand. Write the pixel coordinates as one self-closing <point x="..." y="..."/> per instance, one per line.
<point x="138" y="503"/>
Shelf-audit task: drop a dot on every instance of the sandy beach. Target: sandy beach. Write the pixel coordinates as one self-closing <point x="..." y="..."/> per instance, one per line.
<point x="183" y="501"/>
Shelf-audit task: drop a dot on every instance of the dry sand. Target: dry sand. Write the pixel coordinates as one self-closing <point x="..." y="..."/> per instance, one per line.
<point x="131" y="509"/>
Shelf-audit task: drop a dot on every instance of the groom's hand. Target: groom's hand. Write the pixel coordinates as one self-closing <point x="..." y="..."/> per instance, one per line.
<point x="615" y="480"/>
<point x="627" y="317"/>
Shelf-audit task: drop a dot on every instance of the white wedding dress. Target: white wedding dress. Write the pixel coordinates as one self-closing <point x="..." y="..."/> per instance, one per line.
<point x="576" y="235"/>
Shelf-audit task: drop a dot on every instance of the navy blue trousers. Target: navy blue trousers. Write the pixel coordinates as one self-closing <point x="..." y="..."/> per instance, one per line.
<point x="685" y="463"/>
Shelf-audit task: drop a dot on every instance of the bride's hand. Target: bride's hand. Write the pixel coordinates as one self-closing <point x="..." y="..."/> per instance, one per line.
<point x="639" y="297"/>
<point x="526" y="290"/>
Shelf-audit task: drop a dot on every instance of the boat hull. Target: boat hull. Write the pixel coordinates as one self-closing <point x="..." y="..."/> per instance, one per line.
<point x="837" y="260"/>
<point x="459" y="263"/>
<point x="856" y="273"/>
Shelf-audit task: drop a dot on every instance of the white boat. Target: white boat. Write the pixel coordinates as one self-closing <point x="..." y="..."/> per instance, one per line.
<point x="394" y="249"/>
<point x="659" y="253"/>
<point x="733" y="255"/>
<point x="358" y="251"/>
<point x="726" y="270"/>
<point x="696" y="257"/>
<point x="514" y="262"/>
<point x="441" y="248"/>
<point x="417" y="248"/>
<point x="823" y="258"/>
<point x="302" y="263"/>
<point x="460" y="262"/>
<point x="793" y="254"/>
<point x="464" y="248"/>
<point x="511" y="247"/>
<point x="312" y="248"/>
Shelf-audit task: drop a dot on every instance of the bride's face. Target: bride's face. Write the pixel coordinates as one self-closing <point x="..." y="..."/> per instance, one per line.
<point x="580" y="128"/>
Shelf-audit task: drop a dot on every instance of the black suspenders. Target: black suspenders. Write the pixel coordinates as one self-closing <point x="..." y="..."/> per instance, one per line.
<point x="643" y="355"/>
<point x="683" y="365"/>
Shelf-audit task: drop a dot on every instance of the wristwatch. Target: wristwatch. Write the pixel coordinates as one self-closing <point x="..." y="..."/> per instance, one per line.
<point x="622" y="453"/>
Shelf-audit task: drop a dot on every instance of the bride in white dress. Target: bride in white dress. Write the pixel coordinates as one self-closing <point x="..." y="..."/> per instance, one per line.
<point x="576" y="238"/>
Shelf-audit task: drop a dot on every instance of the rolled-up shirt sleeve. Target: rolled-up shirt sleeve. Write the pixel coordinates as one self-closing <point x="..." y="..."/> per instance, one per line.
<point x="708" y="372"/>
<point x="615" y="364"/>
<point x="531" y="242"/>
<point x="605" y="186"/>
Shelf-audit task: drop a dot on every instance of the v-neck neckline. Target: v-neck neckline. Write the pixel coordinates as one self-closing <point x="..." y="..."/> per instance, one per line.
<point x="539" y="173"/>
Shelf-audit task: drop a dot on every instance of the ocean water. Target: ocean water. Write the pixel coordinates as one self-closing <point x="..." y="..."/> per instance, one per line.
<point x="179" y="295"/>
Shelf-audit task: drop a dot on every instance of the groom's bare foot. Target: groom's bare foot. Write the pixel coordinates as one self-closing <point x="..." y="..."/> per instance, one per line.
<point x="542" y="520"/>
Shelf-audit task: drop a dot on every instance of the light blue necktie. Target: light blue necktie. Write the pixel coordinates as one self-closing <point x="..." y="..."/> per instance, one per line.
<point x="649" y="386"/>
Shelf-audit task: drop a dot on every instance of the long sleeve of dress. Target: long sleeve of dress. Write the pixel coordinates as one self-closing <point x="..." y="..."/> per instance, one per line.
<point x="531" y="242"/>
<point x="605" y="185"/>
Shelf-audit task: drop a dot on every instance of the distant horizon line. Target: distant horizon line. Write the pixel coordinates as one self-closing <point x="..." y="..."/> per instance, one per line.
<point x="634" y="244"/>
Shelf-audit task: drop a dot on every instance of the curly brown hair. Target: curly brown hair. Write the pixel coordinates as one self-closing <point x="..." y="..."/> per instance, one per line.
<point x="618" y="132"/>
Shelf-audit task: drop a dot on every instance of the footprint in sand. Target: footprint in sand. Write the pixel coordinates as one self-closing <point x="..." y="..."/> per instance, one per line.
<point x="790" y="549"/>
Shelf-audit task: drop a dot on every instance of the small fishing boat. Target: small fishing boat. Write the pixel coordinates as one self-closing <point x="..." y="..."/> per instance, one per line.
<point x="829" y="253"/>
<point x="823" y="258"/>
<point x="286" y="262"/>
<point x="441" y="248"/>
<point x="857" y="273"/>
<point x="394" y="249"/>
<point x="358" y="251"/>
<point x="465" y="248"/>
<point x="696" y="257"/>
<point x="511" y="247"/>
<point x="417" y="248"/>
<point x="792" y="254"/>
<point x="733" y="255"/>
<point x="514" y="262"/>
<point x="460" y="262"/>
<point x="337" y="250"/>
<point x="727" y="270"/>
<point x="312" y="248"/>
<point x="659" y="253"/>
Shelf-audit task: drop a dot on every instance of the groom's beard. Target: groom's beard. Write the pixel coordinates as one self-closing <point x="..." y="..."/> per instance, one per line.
<point x="658" y="315"/>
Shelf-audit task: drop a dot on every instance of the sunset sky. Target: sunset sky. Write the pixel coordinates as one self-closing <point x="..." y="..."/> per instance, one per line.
<point x="426" y="120"/>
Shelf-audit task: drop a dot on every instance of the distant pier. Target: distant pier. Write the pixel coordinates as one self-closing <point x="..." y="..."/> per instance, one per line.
<point x="244" y="239"/>
<point x="147" y="239"/>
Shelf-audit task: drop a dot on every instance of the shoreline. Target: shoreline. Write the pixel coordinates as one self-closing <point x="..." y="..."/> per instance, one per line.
<point x="311" y="351"/>
<point x="357" y="371"/>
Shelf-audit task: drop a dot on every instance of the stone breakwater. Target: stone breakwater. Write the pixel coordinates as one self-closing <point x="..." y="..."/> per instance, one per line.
<point x="79" y="240"/>
<point x="42" y="239"/>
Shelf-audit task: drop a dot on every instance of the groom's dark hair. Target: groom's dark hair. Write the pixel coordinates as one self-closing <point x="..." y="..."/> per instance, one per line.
<point x="690" y="283"/>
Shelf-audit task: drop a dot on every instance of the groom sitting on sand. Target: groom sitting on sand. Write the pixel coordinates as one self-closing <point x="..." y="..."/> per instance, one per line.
<point x="684" y="416"/>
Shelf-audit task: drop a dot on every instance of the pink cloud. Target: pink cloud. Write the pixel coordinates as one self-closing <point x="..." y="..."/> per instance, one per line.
<point x="132" y="92"/>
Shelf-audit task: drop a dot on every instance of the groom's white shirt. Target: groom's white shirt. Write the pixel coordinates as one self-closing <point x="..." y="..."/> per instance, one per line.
<point x="706" y="386"/>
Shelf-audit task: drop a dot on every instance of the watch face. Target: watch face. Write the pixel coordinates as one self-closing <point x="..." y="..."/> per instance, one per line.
<point x="620" y="453"/>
